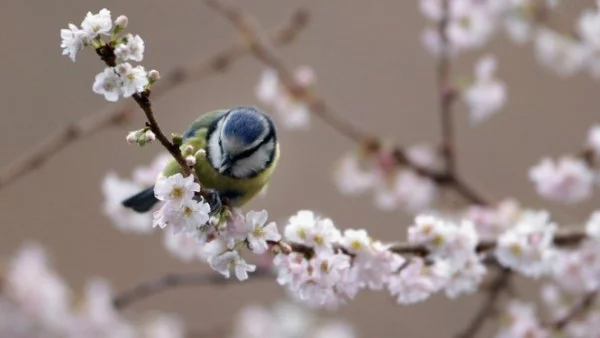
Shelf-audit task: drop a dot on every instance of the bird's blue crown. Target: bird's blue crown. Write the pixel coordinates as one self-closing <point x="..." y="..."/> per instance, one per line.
<point x="246" y="124"/>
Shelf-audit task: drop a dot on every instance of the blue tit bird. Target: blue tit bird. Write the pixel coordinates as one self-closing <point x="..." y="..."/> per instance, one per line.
<point x="240" y="155"/>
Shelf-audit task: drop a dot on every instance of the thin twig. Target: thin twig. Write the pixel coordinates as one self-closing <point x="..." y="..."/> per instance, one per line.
<point x="111" y="116"/>
<point x="107" y="55"/>
<point x="446" y="92"/>
<point x="488" y="307"/>
<point x="265" y="52"/>
<point x="579" y="309"/>
<point x="161" y="284"/>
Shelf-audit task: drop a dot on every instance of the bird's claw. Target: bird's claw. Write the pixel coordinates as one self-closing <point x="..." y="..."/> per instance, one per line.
<point x="215" y="202"/>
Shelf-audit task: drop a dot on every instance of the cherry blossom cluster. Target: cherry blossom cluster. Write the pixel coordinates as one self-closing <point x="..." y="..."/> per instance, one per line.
<point x="392" y="184"/>
<point x="569" y="179"/>
<point x="183" y="213"/>
<point x="471" y="24"/>
<point x="575" y="275"/>
<point x="566" y="54"/>
<point x="287" y="320"/>
<point x="116" y="189"/>
<point x="98" y="31"/>
<point x="338" y="265"/>
<point x="292" y="112"/>
<point x="36" y="302"/>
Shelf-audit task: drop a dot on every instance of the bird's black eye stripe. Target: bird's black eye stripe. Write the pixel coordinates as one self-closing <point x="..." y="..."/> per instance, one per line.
<point x="246" y="153"/>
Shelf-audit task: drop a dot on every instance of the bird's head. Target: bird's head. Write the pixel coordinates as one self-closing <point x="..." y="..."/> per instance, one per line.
<point x="242" y="142"/>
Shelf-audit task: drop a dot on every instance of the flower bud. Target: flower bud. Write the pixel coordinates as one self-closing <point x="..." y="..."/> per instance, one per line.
<point x="177" y="139"/>
<point x="190" y="160"/>
<point x="187" y="150"/>
<point x="150" y="136"/>
<point x="121" y="21"/>
<point x="132" y="136"/>
<point x="200" y="153"/>
<point x="153" y="75"/>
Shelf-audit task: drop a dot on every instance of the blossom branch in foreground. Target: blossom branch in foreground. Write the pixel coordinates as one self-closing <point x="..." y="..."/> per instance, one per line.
<point x="265" y="52"/>
<point x="164" y="283"/>
<point x="107" y="54"/>
<point x="108" y="117"/>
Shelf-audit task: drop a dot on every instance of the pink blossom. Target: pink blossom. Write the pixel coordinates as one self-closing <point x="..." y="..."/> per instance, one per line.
<point x="568" y="180"/>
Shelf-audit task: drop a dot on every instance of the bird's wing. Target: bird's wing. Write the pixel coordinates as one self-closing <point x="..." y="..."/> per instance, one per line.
<point x="203" y="121"/>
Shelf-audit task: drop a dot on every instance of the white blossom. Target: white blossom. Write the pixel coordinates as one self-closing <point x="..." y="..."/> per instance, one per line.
<point x="356" y="241"/>
<point x="97" y="24"/>
<point x="189" y="215"/>
<point x="487" y="94"/>
<point x="116" y="190"/>
<point x="176" y="188"/>
<point x="108" y="83"/>
<point x="259" y="233"/>
<point x="299" y="226"/>
<point x="522" y="322"/>
<point x="32" y="284"/>
<point x="293" y="112"/>
<point x="593" y="139"/>
<point x="469" y="26"/>
<point x="592" y="227"/>
<point x="131" y="49"/>
<point x="568" y="180"/>
<point x="528" y="248"/>
<point x="231" y="260"/>
<point x="416" y="282"/>
<point x="133" y="79"/>
<point x="559" y="53"/>
<point x="73" y="40"/>
<point x="351" y="178"/>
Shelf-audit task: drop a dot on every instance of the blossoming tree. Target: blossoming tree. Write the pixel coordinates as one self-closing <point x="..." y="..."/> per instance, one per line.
<point x="482" y="245"/>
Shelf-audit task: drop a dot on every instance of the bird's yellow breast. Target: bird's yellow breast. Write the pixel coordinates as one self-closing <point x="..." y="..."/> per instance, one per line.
<point x="237" y="190"/>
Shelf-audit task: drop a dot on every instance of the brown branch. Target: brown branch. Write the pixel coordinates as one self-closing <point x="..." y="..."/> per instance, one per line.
<point x="107" y="55"/>
<point x="111" y="116"/>
<point x="564" y="238"/>
<point x="579" y="309"/>
<point x="488" y="307"/>
<point x="164" y="283"/>
<point x="265" y="52"/>
<point x="446" y="92"/>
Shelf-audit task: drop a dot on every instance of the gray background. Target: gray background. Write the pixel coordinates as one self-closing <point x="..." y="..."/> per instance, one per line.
<point x="370" y="67"/>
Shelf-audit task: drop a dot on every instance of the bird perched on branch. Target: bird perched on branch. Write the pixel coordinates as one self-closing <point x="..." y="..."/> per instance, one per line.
<point x="236" y="151"/>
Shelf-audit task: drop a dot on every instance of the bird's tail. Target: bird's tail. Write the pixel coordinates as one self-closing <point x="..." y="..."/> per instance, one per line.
<point x="142" y="201"/>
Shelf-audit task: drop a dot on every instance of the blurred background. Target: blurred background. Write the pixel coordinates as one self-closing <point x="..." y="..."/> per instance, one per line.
<point x="370" y="66"/>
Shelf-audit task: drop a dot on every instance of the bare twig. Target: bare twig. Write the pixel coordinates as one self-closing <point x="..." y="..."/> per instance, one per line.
<point x="488" y="307"/>
<point x="111" y="116"/>
<point x="579" y="309"/>
<point x="265" y="52"/>
<point x="164" y="283"/>
<point x="446" y="92"/>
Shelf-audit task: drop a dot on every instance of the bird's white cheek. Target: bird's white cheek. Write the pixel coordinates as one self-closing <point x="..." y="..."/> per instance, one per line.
<point x="215" y="151"/>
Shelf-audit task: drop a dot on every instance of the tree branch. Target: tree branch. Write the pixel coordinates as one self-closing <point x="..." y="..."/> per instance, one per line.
<point x="111" y="116"/>
<point x="265" y="52"/>
<point x="488" y="307"/>
<point x="579" y="309"/>
<point x="446" y="92"/>
<point x="164" y="283"/>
